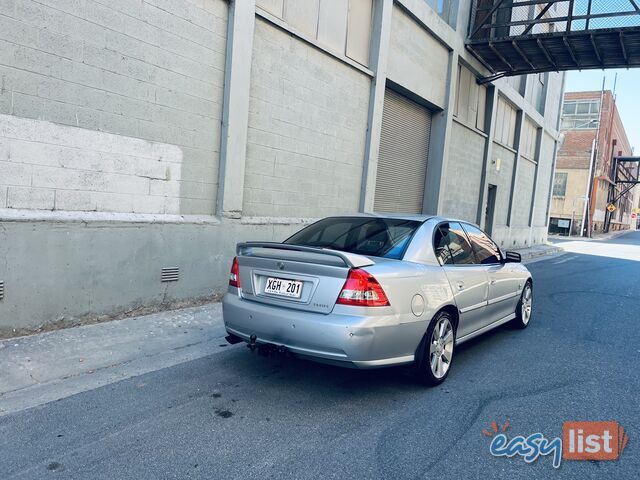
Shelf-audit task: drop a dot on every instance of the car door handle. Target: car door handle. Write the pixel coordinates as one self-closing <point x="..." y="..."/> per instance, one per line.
<point x="460" y="285"/>
<point x="492" y="281"/>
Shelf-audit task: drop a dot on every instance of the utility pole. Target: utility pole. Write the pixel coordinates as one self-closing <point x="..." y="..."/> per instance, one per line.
<point x="594" y="160"/>
<point x="587" y="196"/>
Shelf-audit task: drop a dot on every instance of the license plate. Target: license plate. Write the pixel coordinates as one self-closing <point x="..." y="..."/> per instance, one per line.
<point x="283" y="287"/>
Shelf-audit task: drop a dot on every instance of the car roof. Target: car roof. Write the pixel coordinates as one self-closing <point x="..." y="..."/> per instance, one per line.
<point x="406" y="216"/>
<point x="398" y="216"/>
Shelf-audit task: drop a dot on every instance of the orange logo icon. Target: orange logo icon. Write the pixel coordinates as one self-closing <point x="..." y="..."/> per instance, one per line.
<point x="593" y="440"/>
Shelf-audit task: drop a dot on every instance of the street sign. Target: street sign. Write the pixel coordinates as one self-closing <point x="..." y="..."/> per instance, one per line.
<point x="611" y="207"/>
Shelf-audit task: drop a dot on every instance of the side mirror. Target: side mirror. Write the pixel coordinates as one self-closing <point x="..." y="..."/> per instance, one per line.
<point x="512" y="257"/>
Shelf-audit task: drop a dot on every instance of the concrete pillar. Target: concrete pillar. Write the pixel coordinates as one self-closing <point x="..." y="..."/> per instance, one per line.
<point x="516" y="163"/>
<point x="235" y="113"/>
<point x="380" y="38"/>
<point x="441" y="127"/>
<point x="490" y="115"/>
<point x="534" y="193"/>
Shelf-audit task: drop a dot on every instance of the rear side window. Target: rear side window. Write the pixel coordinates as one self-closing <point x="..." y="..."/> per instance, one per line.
<point x="459" y="246"/>
<point x="376" y="237"/>
<point x="441" y="248"/>
<point x="487" y="252"/>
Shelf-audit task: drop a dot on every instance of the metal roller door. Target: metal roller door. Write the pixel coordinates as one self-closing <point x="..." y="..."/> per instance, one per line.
<point x="404" y="150"/>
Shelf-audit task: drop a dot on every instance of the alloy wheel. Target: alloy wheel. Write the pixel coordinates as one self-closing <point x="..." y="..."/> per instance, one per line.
<point x="527" y="304"/>
<point x="441" y="348"/>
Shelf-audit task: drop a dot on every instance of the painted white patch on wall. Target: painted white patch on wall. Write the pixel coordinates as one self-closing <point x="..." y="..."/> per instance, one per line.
<point x="46" y="166"/>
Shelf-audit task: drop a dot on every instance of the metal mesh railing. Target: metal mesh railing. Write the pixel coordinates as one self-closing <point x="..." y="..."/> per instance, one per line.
<point x="500" y="19"/>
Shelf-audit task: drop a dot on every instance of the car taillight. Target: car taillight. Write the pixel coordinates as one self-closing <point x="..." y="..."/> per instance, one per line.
<point x="362" y="289"/>
<point x="234" y="276"/>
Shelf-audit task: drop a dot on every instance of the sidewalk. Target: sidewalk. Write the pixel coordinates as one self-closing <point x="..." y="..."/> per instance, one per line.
<point x="536" y="252"/>
<point x="598" y="237"/>
<point x="41" y="368"/>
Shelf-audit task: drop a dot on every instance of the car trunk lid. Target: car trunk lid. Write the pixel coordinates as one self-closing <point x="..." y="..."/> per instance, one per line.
<point x="313" y="275"/>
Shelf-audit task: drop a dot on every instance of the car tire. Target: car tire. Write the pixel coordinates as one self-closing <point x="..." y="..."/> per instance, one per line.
<point x="524" y="309"/>
<point x="435" y="353"/>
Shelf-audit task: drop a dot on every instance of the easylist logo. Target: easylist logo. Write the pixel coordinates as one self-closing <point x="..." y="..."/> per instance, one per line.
<point x="593" y="440"/>
<point x="580" y="441"/>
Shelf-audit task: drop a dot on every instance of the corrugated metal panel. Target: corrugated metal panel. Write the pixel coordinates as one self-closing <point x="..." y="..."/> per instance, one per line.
<point x="404" y="150"/>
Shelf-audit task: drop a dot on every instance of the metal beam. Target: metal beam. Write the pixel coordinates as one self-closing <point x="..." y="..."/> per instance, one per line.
<point x="624" y="192"/>
<point x="522" y="54"/>
<point x="624" y="50"/>
<point x="595" y="50"/>
<point x="540" y="15"/>
<point x="491" y="12"/>
<point x="547" y="53"/>
<point x="570" y="49"/>
<point x="500" y="56"/>
<point x="491" y="78"/>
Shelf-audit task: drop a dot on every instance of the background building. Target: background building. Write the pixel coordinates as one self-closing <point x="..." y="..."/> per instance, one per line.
<point x="591" y="125"/>
<point x="139" y="141"/>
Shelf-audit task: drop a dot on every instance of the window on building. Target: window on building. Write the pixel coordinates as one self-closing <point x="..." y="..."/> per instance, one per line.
<point x="582" y="108"/>
<point x="471" y="100"/>
<point x="578" y="124"/>
<point x="560" y="184"/>
<point x="505" y="131"/>
<point x="447" y="9"/>
<point x="580" y="115"/>
<point x="529" y="138"/>
<point x="344" y="27"/>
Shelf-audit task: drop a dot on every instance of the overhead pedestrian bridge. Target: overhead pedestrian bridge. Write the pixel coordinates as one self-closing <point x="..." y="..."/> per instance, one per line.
<point x="516" y="37"/>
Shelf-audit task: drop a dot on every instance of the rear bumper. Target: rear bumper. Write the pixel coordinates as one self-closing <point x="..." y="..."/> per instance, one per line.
<point x="342" y="339"/>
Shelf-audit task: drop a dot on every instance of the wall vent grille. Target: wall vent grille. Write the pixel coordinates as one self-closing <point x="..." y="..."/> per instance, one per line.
<point x="1" y="290"/>
<point x="170" y="274"/>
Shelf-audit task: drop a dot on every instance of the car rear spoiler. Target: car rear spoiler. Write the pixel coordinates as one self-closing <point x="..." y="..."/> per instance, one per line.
<point x="350" y="260"/>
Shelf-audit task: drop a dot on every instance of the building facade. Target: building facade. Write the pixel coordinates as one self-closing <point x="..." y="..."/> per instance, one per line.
<point x="593" y="133"/>
<point x="140" y="141"/>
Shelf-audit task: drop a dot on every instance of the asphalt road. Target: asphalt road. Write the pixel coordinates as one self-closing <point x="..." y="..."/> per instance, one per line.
<point x="237" y="415"/>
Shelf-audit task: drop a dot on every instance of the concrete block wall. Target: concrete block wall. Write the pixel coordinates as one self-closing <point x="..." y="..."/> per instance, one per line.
<point x="464" y="175"/>
<point x="307" y="129"/>
<point x="152" y="70"/>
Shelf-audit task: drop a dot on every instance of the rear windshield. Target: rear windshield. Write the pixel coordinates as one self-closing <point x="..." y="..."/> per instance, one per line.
<point x="376" y="237"/>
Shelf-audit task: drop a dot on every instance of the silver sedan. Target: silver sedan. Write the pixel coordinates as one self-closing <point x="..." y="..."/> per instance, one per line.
<point x="372" y="291"/>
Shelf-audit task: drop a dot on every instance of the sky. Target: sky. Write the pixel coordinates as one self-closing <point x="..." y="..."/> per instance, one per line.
<point x="627" y="95"/>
